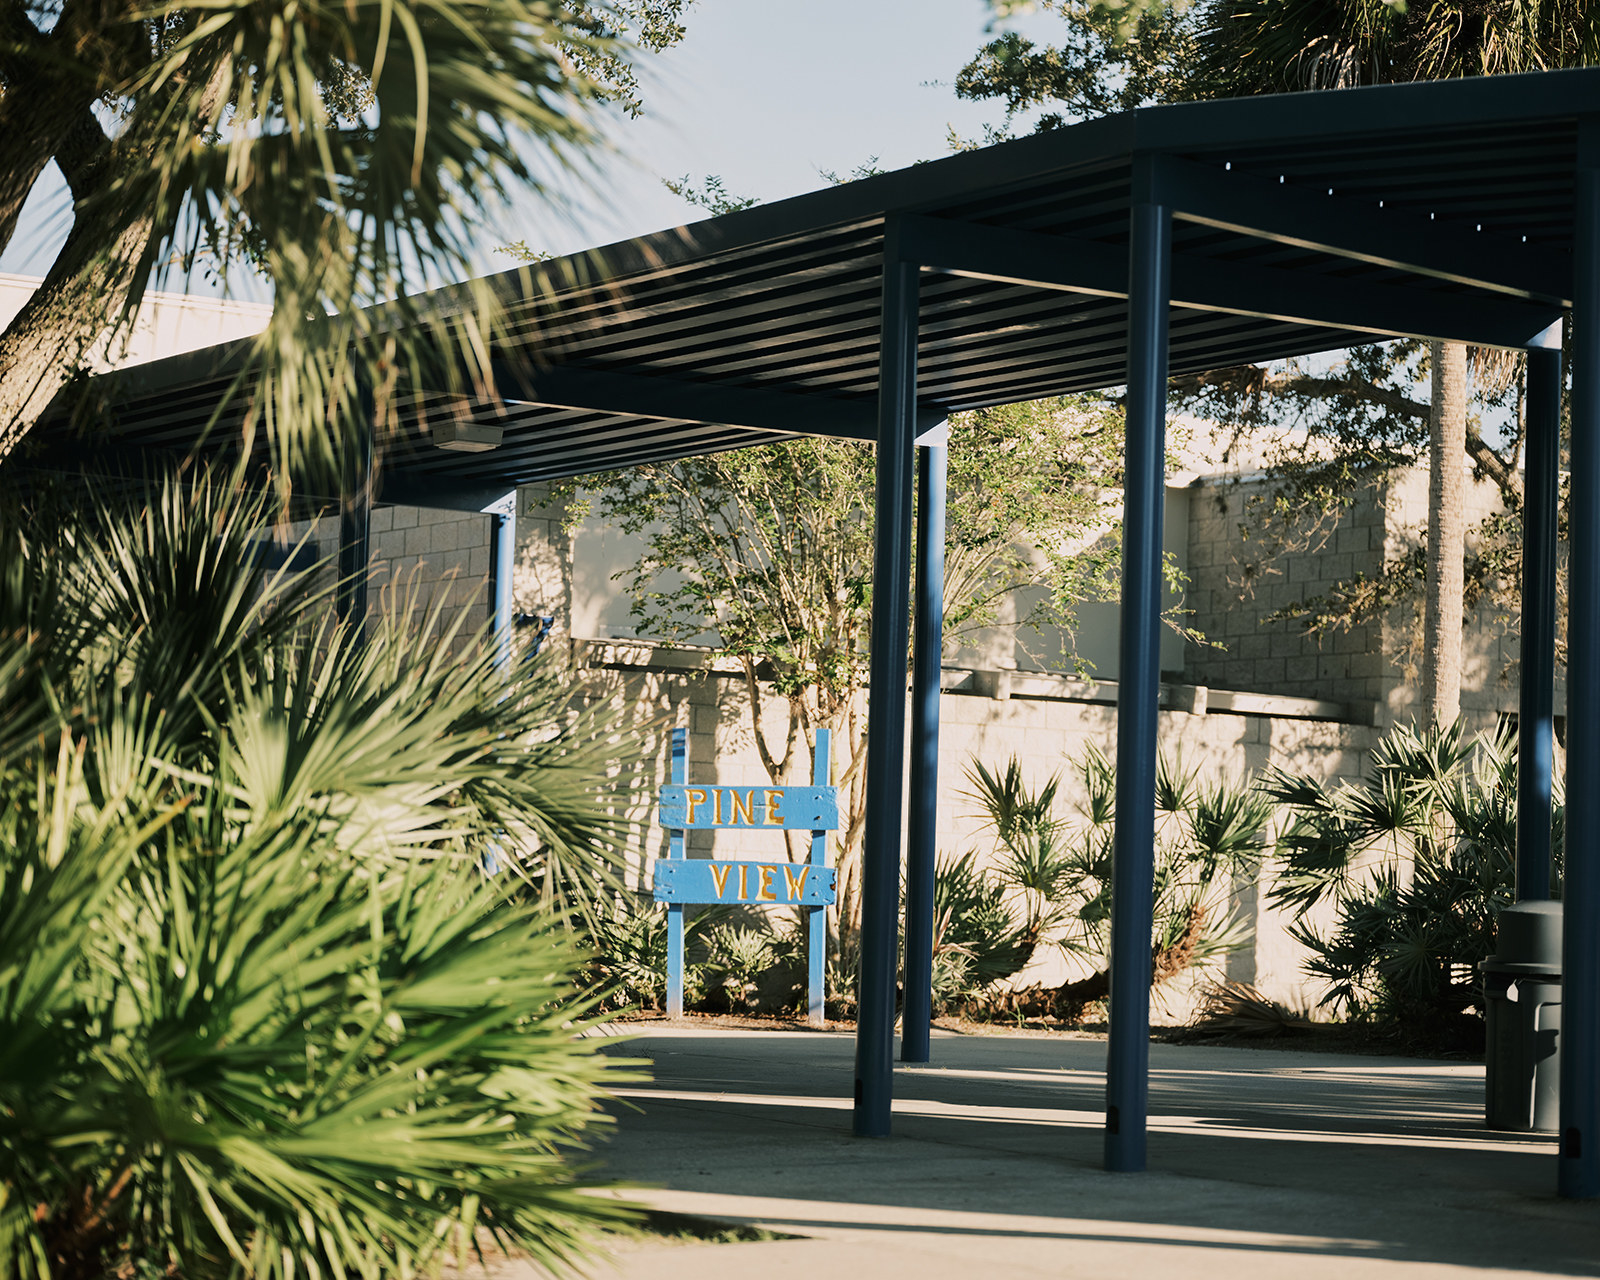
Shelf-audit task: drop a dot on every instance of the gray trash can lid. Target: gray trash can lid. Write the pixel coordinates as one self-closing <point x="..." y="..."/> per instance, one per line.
<point x="1527" y="939"/>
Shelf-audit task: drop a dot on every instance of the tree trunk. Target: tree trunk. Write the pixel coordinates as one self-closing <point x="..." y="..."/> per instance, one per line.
<point x="1447" y="443"/>
<point x="82" y="300"/>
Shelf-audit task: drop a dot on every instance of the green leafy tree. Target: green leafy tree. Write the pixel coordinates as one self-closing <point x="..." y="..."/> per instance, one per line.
<point x="768" y="552"/>
<point x="345" y="152"/>
<point x="1110" y="58"/>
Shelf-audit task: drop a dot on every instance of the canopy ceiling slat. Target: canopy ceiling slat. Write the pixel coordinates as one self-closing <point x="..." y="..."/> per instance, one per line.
<point x="784" y="298"/>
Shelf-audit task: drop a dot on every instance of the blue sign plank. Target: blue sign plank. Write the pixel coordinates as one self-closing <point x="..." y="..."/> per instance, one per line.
<point x="774" y="808"/>
<point x="699" y="880"/>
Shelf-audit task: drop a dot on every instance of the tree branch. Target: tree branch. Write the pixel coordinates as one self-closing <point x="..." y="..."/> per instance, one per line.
<point x="1494" y="466"/>
<point x="1257" y="380"/>
<point x="83" y="155"/>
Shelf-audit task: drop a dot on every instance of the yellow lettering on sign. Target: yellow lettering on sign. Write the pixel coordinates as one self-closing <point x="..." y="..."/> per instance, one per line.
<point x="719" y="878"/>
<point x="774" y="807"/>
<point x="716" y="814"/>
<point x="696" y="797"/>
<point x="744" y="886"/>
<point x="765" y="892"/>
<point x="797" y="881"/>
<point x="746" y="807"/>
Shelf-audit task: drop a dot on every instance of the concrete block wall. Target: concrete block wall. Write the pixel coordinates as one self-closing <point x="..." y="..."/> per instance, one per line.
<point x="541" y="579"/>
<point x="1235" y="585"/>
<point x="431" y="559"/>
<point x="1045" y="734"/>
<point x="418" y="555"/>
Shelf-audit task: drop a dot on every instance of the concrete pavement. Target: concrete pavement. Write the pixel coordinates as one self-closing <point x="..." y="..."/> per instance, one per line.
<point x="1262" y="1163"/>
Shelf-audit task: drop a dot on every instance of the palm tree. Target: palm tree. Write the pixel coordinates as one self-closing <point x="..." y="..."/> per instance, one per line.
<point x="347" y="152"/>
<point x="261" y="1011"/>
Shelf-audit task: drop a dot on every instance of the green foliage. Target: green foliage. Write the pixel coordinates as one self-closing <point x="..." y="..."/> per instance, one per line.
<point x="1328" y="433"/>
<point x="1416" y="861"/>
<point x="737" y="957"/>
<point x="1276" y="46"/>
<point x="346" y="152"/>
<point x="1110" y="58"/>
<point x="1394" y="816"/>
<point x="980" y="936"/>
<point x="712" y="195"/>
<point x="625" y="26"/>
<point x="1048" y="880"/>
<point x="627" y="942"/>
<point x="260" y="1012"/>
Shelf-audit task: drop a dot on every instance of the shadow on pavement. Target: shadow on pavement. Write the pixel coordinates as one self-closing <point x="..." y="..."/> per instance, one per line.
<point x="1001" y="1137"/>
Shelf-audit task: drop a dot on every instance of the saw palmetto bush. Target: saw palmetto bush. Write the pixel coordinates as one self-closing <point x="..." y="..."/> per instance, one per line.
<point x="1047" y="882"/>
<point x="1416" y="861"/>
<point x="261" y="1013"/>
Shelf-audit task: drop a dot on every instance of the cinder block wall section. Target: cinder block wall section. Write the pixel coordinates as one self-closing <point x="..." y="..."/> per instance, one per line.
<point x="1236" y="585"/>
<point x="431" y="559"/>
<point x="418" y="556"/>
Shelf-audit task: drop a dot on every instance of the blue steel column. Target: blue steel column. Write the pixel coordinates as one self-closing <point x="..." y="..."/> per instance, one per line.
<point x="355" y="521"/>
<point x="928" y="646"/>
<point x="886" y="711"/>
<point x="1536" y="695"/>
<point x="1133" y="848"/>
<point x="502" y="561"/>
<point x="1578" y="1165"/>
<point x="675" y="849"/>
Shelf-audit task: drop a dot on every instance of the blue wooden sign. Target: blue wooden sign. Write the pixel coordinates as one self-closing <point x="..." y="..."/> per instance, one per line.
<point x="681" y="880"/>
<point x="723" y="808"/>
<point x="786" y="884"/>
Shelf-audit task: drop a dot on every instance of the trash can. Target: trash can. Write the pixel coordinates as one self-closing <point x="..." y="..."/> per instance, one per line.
<point x="1522" y="1009"/>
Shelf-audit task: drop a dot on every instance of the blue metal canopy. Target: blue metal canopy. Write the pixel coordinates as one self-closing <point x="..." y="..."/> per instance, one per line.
<point x="1174" y="239"/>
<point x="1303" y="223"/>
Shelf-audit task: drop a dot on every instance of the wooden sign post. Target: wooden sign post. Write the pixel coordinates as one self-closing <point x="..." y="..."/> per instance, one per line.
<point x="681" y="881"/>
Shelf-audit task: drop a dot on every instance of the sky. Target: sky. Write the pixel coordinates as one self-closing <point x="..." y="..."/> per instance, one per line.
<point x="762" y="93"/>
<point x="766" y="94"/>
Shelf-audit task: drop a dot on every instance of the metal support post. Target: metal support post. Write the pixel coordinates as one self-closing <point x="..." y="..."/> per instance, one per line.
<point x="1536" y="696"/>
<point x="928" y="644"/>
<point x="1578" y="1162"/>
<point x="886" y="712"/>
<point x="817" y="917"/>
<point x="355" y="521"/>
<point x="502" y="562"/>
<point x="1138" y="689"/>
<point x="675" y="849"/>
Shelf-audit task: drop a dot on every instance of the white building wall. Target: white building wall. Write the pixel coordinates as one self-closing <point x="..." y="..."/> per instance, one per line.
<point x="168" y="324"/>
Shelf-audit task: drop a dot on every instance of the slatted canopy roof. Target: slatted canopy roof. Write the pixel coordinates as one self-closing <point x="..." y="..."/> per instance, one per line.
<point x="1303" y="223"/>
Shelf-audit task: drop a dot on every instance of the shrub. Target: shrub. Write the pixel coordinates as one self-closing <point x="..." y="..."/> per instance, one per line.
<point x="1416" y="861"/>
<point x="260" y="1012"/>
<point x="1049" y="883"/>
